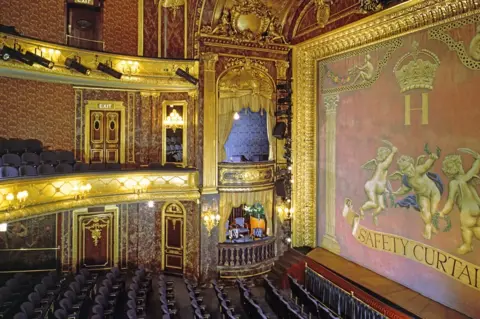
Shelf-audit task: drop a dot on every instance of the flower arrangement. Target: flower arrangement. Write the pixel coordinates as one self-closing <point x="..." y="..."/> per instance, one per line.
<point x="256" y="211"/>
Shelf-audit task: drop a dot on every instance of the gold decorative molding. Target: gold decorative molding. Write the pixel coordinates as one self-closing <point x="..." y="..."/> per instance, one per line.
<point x="210" y="126"/>
<point x="240" y="174"/>
<point x="139" y="73"/>
<point x="402" y="19"/>
<point x="247" y="20"/>
<point x="369" y="6"/>
<point x="322" y="12"/>
<point x="58" y="193"/>
<point x="141" y="23"/>
<point x="282" y="67"/>
<point x="210" y="60"/>
<point x="96" y="230"/>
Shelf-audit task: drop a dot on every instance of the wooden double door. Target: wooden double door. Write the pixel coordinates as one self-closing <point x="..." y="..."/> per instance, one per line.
<point x="173" y="238"/>
<point x="105" y="130"/>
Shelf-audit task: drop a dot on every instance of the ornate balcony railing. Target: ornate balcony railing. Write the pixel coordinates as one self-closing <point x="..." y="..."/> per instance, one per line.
<point x="245" y="259"/>
<point x="235" y="177"/>
<point x="24" y="197"/>
<point x="138" y="72"/>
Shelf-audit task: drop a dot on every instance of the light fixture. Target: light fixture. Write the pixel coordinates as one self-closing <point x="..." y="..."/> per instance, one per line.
<point x="72" y="63"/>
<point x="151" y="203"/>
<point x="129" y="67"/>
<point x="210" y="216"/>
<point x="3" y="227"/>
<point x="16" y="201"/>
<point x="236" y="116"/>
<point x="81" y="191"/>
<point x="39" y="60"/>
<point x="174" y="120"/>
<point x="105" y="68"/>
<point x="8" y="53"/>
<point x="137" y="187"/>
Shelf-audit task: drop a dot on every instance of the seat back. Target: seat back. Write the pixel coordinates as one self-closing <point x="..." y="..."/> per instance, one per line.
<point x="8" y="171"/>
<point x="64" y="168"/>
<point x="65" y="157"/>
<point x="45" y="169"/>
<point x="80" y="167"/>
<point x="34" y="298"/>
<point x="11" y="160"/>
<point x="48" y="157"/>
<point x="30" y="159"/>
<point x="27" y="170"/>
<point x="60" y="314"/>
<point x="28" y="308"/>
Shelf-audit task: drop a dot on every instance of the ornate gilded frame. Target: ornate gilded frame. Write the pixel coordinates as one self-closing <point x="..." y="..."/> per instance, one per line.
<point x="95" y="105"/>
<point x="184" y="105"/>
<point x="164" y="233"/>
<point x="83" y="212"/>
<point x="409" y="17"/>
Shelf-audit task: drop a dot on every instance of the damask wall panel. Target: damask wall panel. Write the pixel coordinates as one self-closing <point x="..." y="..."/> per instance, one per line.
<point x="29" y="244"/>
<point x="150" y="29"/>
<point x="40" y="110"/>
<point x="120" y="23"/>
<point x="175" y="32"/>
<point x="407" y="110"/>
<point x="43" y="20"/>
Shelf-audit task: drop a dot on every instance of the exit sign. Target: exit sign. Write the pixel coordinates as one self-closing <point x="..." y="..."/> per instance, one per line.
<point x="89" y="2"/>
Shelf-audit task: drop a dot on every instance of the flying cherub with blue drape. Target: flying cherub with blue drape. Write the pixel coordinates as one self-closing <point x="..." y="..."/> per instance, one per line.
<point x="427" y="187"/>
<point x="377" y="187"/>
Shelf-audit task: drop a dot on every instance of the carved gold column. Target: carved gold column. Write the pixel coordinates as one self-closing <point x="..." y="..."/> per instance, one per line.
<point x="194" y="99"/>
<point x="282" y="67"/>
<point x="210" y="130"/>
<point x="329" y="240"/>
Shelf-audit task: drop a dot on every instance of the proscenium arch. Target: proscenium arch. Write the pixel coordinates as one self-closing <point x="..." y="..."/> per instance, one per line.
<point x="184" y="235"/>
<point x="217" y="100"/>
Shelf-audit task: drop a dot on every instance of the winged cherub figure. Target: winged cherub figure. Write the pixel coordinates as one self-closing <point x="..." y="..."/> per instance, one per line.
<point x="461" y="191"/>
<point x="426" y="186"/>
<point x="377" y="186"/>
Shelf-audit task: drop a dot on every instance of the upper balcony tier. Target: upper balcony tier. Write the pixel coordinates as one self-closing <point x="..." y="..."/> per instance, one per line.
<point x="24" y="197"/>
<point x="137" y="72"/>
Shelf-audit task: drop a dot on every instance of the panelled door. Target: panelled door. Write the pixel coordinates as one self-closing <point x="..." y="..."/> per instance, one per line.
<point x="174" y="232"/>
<point x="105" y="137"/>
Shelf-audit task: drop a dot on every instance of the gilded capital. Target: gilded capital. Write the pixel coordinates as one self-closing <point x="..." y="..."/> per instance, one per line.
<point x="193" y="94"/>
<point x="282" y="67"/>
<point x="209" y="59"/>
<point x="331" y="103"/>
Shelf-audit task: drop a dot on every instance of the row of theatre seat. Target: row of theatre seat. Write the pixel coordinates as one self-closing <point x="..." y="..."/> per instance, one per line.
<point x="196" y="300"/>
<point x="19" y="146"/>
<point x="303" y="298"/>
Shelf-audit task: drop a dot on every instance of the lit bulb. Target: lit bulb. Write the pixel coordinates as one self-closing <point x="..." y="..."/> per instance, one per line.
<point x="10" y="197"/>
<point x="289" y="240"/>
<point x="290" y="168"/>
<point x="144" y="183"/>
<point x="217" y="217"/>
<point x="88" y="187"/>
<point x="206" y="218"/>
<point x="291" y="181"/>
<point x="151" y="203"/>
<point x="57" y="52"/>
<point x="236" y="116"/>
<point x="3" y="227"/>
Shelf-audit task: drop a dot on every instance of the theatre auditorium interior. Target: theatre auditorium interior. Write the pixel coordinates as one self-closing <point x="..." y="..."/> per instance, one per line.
<point x="291" y="159"/>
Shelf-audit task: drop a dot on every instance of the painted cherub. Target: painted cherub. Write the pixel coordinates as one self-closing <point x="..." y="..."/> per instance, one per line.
<point x="461" y="191"/>
<point x="426" y="186"/>
<point x="364" y="72"/>
<point x="377" y="186"/>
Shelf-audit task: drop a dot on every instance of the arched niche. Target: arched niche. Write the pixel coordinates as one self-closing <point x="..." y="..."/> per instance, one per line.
<point x="244" y="85"/>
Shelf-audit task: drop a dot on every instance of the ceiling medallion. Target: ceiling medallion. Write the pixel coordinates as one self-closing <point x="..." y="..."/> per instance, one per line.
<point x="248" y="20"/>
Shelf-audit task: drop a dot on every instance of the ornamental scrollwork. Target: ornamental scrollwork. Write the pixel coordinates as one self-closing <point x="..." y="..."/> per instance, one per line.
<point x="248" y="20"/>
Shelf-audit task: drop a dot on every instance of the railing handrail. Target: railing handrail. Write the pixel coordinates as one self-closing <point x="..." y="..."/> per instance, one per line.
<point x="84" y="39"/>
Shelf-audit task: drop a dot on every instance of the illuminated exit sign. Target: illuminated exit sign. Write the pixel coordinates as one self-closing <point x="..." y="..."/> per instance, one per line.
<point x="89" y="2"/>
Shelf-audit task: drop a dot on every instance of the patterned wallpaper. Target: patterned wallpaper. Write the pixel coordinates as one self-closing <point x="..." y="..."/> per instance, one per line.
<point x="248" y="136"/>
<point x="31" y="109"/>
<point x="150" y="29"/>
<point x="120" y="23"/>
<point x="175" y="32"/>
<point x="43" y="19"/>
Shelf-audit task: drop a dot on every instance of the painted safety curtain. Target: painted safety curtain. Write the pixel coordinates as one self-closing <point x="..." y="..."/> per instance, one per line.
<point x="231" y="200"/>
<point x="227" y="108"/>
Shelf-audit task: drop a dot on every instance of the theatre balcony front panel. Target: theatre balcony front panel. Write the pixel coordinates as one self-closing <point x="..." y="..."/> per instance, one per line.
<point x="25" y="197"/>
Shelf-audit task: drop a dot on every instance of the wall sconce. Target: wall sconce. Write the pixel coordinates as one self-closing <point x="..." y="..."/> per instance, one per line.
<point x="284" y="212"/>
<point x="129" y="67"/>
<point x="16" y="201"/>
<point x="210" y="215"/>
<point x="174" y="120"/>
<point x="82" y="191"/>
